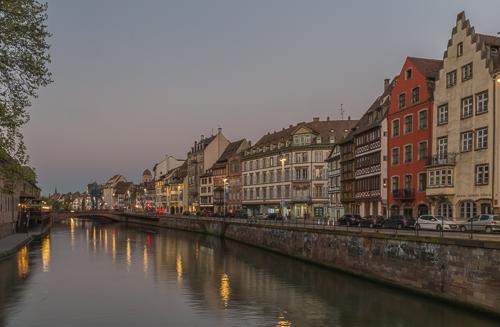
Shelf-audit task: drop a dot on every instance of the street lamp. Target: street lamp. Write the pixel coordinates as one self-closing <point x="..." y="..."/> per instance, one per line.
<point x="225" y="179"/>
<point x="282" y="159"/>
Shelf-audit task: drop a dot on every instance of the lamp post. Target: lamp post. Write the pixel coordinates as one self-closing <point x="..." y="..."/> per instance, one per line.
<point x="495" y="76"/>
<point x="225" y="179"/>
<point x="282" y="159"/>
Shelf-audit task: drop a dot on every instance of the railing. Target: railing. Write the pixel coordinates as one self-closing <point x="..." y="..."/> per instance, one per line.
<point x="442" y="159"/>
<point x="404" y="194"/>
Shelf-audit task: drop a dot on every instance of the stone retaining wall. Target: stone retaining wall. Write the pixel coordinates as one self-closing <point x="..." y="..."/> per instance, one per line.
<point x="6" y="229"/>
<point x="458" y="270"/>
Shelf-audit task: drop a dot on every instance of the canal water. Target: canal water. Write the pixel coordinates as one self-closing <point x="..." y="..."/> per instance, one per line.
<point x="98" y="273"/>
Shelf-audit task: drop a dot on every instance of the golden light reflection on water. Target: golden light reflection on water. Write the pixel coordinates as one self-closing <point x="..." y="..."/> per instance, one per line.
<point x="197" y="250"/>
<point x="114" y="247"/>
<point x="46" y="254"/>
<point x="95" y="249"/>
<point x="145" y="261"/>
<point x="179" y="268"/>
<point x="22" y="262"/>
<point x="225" y="289"/>
<point x="72" y="234"/>
<point x="282" y="321"/>
<point x="106" y="241"/>
<point x="129" y="258"/>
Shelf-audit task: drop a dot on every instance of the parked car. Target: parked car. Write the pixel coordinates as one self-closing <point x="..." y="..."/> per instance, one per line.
<point x="208" y="214"/>
<point x="434" y="222"/>
<point x="349" y="220"/>
<point x="398" y="221"/>
<point x="218" y="214"/>
<point x="240" y="214"/>
<point x="482" y="223"/>
<point x="275" y="216"/>
<point x="160" y="211"/>
<point x="186" y="213"/>
<point x="371" y="221"/>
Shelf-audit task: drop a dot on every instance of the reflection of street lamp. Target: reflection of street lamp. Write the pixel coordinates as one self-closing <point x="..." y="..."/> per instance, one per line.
<point x="225" y="179"/>
<point x="282" y="159"/>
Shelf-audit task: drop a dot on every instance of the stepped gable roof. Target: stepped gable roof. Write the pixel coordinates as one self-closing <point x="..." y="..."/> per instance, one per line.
<point x="427" y="67"/>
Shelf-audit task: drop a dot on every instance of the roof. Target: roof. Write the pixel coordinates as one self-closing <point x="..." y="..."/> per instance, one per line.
<point x="146" y="172"/>
<point x="182" y="171"/>
<point x="123" y="187"/>
<point x="322" y="129"/>
<point x="229" y="151"/>
<point x="427" y="67"/>
<point x="490" y="39"/>
<point x="205" y="141"/>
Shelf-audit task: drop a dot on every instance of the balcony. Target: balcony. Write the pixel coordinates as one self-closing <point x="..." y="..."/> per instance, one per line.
<point x="442" y="159"/>
<point x="404" y="194"/>
<point x="301" y="199"/>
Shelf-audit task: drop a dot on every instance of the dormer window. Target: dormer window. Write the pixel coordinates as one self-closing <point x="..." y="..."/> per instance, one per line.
<point x="318" y="140"/>
<point x="279" y="145"/>
<point x="379" y="114"/>
<point x="408" y="74"/>
<point x="370" y="118"/>
<point x="332" y="139"/>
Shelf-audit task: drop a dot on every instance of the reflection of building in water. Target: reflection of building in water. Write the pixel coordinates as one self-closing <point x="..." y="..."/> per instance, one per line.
<point x="46" y="253"/>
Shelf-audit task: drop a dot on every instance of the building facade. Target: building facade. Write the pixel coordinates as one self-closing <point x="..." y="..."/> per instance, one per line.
<point x="410" y="136"/>
<point x="300" y="180"/>
<point x="462" y="172"/>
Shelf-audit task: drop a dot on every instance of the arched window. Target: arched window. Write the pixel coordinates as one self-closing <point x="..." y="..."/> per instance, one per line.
<point x="395" y="210"/>
<point x="423" y="210"/>
<point x="444" y="210"/>
<point x="468" y="209"/>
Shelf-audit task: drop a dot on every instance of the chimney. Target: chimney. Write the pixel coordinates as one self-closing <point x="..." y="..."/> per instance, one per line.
<point x="219" y="130"/>
<point x="202" y="137"/>
<point x="386" y="83"/>
<point x="291" y="126"/>
<point x="327" y="118"/>
<point x="316" y="119"/>
<point x="349" y="118"/>
<point x="250" y="143"/>
<point x="195" y="143"/>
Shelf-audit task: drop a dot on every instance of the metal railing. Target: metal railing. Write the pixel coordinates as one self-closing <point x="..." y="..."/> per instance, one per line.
<point x="404" y="194"/>
<point x="442" y="159"/>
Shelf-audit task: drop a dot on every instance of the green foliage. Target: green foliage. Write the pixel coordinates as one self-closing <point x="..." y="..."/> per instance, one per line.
<point x="56" y="205"/>
<point x="23" y="69"/>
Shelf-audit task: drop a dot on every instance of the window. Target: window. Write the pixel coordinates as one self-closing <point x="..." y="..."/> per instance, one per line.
<point x="431" y="179"/>
<point x="482" y="138"/>
<point x="319" y="156"/>
<point x="467" y="107"/>
<point x="422" y="119"/>
<point x="395" y="184"/>
<point x="408" y="124"/>
<point x="443" y="114"/>
<point x="395" y="156"/>
<point x="422" y="151"/>
<point x="482" y="174"/>
<point x="318" y="140"/>
<point x="408" y="182"/>
<point x="440" y="178"/>
<point x="402" y="100"/>
<point x="482" y="103"/>
<point x="444" y="210"/>
<point x="408" y="153"/>
<point x="235" y="166"/>
<point x="422" y="180"/>
<point x="408" y="73"/>
<point x="468" y="209"/>
<point x="460" y="49"/>
<point x="467" y="72"/>
<point x="466" y="141"/>
<point x="332" y="139"/>
<point x="415" y="95"/>
<point x="451" y="79"/>
<point x="395" y="127"/>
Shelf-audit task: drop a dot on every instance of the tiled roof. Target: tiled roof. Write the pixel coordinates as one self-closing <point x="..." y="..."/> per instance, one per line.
<point x="322" y="129"/>
<point x="490" y="39"/>
<point x="428" y="67"/>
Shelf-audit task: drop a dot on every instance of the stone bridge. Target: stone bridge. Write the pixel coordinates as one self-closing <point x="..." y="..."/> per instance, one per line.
<point x="113" y="215"/>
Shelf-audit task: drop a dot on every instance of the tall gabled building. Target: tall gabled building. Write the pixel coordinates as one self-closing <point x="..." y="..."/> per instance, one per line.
<point x="463" y="173"/>
<point x="410" y="136"/>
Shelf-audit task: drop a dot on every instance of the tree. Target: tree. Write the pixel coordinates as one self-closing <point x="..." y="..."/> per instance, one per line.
<point x="23" y="70"/>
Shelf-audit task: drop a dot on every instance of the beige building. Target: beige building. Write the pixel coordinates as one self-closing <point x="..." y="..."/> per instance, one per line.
<point x="305" y="147"/>
<point x="160" y="171"/>
<point x="201" y="157"/>
<point x="462" y="172"/>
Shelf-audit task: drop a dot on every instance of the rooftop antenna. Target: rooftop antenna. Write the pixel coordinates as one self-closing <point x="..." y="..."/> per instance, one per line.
<point x="341" y="112"/>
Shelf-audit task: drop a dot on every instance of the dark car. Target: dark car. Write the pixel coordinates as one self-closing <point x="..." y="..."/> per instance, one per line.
<point x="371" y="221"/>
<point x="186" y="213"/>
<point x="218" y="214"/>
<point x="274" y="216"/>
<point x="349" y="220"/>
<point x="240" y="214"/>
<point x="398" y="221"/>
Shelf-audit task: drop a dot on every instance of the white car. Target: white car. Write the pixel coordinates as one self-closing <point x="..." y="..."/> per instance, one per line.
<point x="433" y="222"/>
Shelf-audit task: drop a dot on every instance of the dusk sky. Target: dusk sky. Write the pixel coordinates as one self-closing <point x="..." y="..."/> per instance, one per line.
<point x="137" y="80"/>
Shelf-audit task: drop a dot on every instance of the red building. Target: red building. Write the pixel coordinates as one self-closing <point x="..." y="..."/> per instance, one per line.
<point x="410" y="135"/>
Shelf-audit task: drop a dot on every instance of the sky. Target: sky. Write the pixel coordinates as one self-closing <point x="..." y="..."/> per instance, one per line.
<point x="137" y="80"/>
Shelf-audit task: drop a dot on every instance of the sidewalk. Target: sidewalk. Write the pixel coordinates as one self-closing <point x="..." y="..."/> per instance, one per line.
<point x="10" y="245"/>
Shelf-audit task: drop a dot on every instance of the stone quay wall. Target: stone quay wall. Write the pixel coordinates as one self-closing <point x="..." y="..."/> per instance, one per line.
<point x="462" y="271"/>
<point x="6" y="229"/>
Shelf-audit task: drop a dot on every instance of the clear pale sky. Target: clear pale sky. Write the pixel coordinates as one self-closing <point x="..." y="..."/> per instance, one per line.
<point x="136" y="80"/>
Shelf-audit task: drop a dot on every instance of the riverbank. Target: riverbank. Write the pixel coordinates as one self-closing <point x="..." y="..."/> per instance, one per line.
<point x="11" y="244"/>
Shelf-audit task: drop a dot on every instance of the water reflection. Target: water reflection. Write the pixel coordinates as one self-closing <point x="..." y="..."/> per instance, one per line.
<point x="194" y="280"/>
